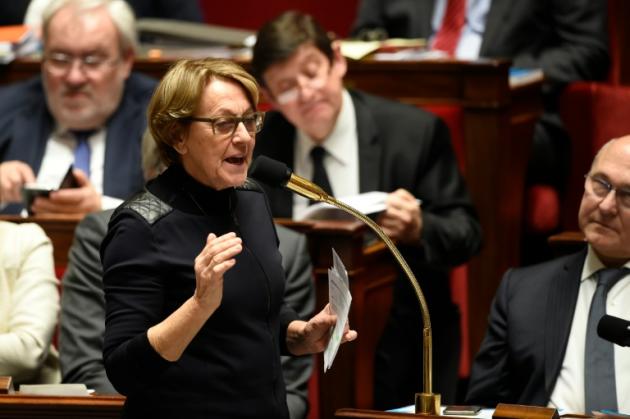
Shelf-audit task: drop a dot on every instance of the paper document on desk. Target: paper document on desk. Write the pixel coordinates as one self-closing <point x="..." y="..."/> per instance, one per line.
<point x="339" y="299"/>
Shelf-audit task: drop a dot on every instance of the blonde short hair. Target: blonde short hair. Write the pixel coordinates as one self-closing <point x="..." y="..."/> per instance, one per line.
<point x="179" y="93"/>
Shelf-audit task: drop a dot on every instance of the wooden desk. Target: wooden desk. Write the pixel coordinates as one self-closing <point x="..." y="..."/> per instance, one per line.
<point x="45" y="407"/>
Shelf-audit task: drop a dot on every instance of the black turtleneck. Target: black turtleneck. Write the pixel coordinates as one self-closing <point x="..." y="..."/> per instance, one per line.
<point x="232" y="367"/>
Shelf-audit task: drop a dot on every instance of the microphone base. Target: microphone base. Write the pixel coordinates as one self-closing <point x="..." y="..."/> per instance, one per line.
<point x="428" y="404"/>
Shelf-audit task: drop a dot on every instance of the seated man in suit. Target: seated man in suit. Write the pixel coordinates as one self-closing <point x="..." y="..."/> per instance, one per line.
<point x="362" y="143"/>
<point x="541" y="338"/>
<point x="86" y="109"/>
<point x="565" y="39"/>
<point x="82" y="321"/>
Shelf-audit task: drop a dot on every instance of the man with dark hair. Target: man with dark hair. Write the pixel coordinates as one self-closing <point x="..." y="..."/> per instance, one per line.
<point x="360" y="143"/>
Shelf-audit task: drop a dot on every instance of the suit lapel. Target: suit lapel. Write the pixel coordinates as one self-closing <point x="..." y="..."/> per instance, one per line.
<point x="369" y="147"/>
<point x="122" y="174"/>
<point x="30" y="139"/>
<point x="425" y="8"/>
<point x="563" y="294"/>
<point x="496" y="20"/>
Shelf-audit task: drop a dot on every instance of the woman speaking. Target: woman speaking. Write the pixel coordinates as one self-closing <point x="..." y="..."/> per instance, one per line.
<point x="193" y="280"/>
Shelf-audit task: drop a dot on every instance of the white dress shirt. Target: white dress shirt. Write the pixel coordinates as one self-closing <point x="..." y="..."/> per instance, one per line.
<point x="59" y="155"/>
<point x="568" y="392"/>
<point x="472" y="33"/>
<point x="341" y="160"/>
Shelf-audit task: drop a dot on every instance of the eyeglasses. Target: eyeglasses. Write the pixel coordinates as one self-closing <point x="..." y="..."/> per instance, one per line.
<point x="601" y="188"/>
<point x="313" y="78"/>
<point x="226" y="125"/>
<point x="60" y="63"/>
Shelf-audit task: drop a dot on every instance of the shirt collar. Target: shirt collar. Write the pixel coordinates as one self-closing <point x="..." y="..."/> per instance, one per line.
<point x="338" y="143"/>
<point x="592" y="264"/>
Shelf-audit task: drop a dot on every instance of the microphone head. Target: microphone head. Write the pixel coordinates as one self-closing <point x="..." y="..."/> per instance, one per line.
<point x="614" y="330"/>
<point x="270" y="171"/>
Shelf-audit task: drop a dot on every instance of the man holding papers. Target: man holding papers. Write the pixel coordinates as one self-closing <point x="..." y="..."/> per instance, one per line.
<point x="350" y="142"/>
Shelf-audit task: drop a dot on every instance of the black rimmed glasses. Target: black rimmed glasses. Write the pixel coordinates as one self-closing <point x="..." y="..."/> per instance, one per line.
<point x="226" y="125"/>
<point x="60" y="63"/>
<point x="601" y="188"/>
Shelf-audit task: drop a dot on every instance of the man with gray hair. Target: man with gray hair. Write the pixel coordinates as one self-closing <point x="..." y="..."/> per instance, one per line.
<point x="87" y="109"/>
<point x="542" y="346"/>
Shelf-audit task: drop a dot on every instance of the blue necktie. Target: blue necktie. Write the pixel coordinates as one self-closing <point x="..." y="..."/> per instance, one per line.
<point x="600" y="391"/>
<point x="82" y="151"/>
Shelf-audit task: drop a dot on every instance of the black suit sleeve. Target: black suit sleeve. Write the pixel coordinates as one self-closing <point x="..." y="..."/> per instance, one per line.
<point x="299" y="294"/>
<point x="83" y="308"/>
<point x="576" y="47"/>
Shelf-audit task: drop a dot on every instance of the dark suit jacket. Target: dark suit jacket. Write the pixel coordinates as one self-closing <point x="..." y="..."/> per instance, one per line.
<point x="26" y="124"/>
<point x="82" y="318"/>
<point x="529" y="325"/>
<point x="566" y="38"/>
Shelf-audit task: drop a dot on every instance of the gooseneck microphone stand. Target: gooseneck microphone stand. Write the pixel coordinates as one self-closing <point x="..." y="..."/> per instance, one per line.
<point x="276" y="173"/>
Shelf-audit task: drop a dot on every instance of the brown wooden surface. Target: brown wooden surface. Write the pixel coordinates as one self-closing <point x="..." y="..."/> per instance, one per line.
<point x="566" y="242"/>
<point x="517" y="411"/>
<point x="44" y="407"/>
<point x="6" y="385"/>
<point x="377" y="414"/>
<point x="60" y="229"/>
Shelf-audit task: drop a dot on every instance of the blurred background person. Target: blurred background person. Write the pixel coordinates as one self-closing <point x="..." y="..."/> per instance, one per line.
<point x="194" y="286"/>
<point x="349" y="142"/>
<point x="82" y="320"/>
<point x="86" y="109"/>
<point x="29" y="304"/>
<point x="566" y="39"/>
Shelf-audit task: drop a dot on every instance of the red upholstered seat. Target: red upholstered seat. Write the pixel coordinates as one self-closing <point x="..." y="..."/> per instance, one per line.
<point x="452" y="115"/>
<point x="593" y="113"/>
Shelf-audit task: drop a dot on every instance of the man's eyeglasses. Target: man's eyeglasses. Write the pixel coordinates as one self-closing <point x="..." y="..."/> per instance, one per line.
<point x="313" y="79"/>
<point x="60" y="63"/>
<point x="226" y="125"/>
<point x="601" y="188"/>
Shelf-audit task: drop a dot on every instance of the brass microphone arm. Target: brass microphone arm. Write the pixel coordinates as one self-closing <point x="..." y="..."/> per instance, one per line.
<point x="427" y="403"/>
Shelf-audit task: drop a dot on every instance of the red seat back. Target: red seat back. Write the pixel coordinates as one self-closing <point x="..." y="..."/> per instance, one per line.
<point x="593" y="113"/>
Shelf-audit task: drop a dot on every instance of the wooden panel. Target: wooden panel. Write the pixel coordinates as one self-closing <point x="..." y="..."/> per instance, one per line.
<point x="44" y="407"/>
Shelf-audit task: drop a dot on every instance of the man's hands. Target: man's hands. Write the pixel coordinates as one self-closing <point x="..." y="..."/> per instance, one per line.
<point x="82" y="199"/>
<point x="312" y="337"/>
<point x="13" y="175"/>
<point x="402" y="219"/>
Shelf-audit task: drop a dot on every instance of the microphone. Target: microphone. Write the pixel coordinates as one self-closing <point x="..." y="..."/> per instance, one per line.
<point x="614" y="330"/>
<point x="277" y="174"/>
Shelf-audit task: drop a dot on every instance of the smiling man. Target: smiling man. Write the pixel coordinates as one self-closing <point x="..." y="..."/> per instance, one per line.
<point x="350" y="142"/>
<point x="541" y="347"/>
<point x="86" y="109"/>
